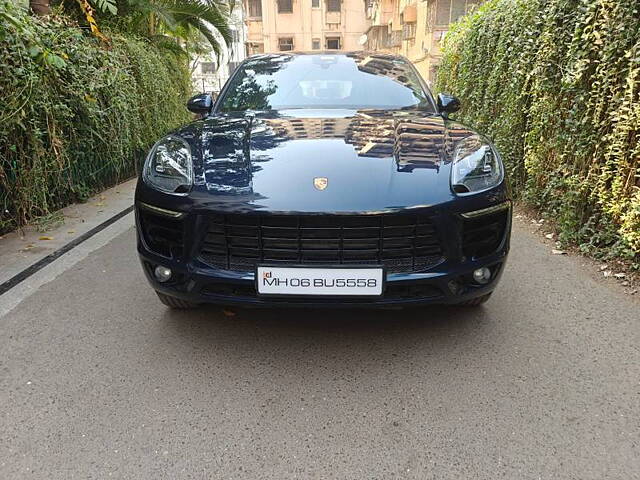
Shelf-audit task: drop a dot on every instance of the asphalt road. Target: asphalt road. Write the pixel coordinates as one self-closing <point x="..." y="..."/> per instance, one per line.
<point x="99" y="380"/>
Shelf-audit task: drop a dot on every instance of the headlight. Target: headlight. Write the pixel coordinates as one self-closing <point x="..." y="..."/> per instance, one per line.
<point x="169" y="167"/>
<point x="476" y="166"/>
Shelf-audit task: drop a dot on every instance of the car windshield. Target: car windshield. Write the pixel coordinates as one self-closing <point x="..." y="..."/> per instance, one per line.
<point x="350" y="81"/>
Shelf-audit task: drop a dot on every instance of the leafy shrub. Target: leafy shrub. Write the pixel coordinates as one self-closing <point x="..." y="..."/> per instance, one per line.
<point x="77" y="114"/>
<point x="556" y="83"/>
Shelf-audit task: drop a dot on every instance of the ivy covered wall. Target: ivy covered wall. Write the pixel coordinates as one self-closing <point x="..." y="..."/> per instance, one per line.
<point x="556" y="84"/>
<point x="77" y="114"/>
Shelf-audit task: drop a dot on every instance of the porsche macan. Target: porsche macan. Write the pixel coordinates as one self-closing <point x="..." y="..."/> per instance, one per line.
<point x="329" y="179"/>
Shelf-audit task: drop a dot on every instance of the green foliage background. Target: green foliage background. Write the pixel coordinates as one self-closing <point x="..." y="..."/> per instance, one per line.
<point x="556" y="83"/>
<point x="77" y="114"/>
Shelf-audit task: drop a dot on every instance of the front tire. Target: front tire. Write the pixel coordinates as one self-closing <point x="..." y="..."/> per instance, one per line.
<point x="475" y="302"/>
<point x="176" y="303"/>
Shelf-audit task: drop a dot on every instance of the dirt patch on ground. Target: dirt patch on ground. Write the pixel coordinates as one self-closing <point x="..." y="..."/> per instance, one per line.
<point x="616" y="273"/>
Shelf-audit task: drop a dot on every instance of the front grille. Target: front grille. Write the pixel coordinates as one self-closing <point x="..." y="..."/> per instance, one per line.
<point x="482" y="236"/>
<point x="402" y="243"/>
<point x="162" y="235"/>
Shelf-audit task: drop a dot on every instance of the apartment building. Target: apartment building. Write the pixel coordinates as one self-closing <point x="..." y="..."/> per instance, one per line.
<point x="305" y="25"/>
<point x="414" y="28"/>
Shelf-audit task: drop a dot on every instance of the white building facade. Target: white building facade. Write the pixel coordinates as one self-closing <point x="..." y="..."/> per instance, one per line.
<point x="208" y="76"/>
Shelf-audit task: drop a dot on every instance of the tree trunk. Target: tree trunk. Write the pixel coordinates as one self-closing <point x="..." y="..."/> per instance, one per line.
<point x="40" y="7"/>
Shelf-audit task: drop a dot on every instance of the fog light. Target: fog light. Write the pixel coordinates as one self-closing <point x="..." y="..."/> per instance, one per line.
<point x="163" y="274"/>
<point x="482" y="275"/>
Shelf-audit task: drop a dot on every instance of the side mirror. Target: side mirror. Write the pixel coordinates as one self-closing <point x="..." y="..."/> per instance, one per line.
<point x="448" y="103"/>
<point x="200" y="104"/>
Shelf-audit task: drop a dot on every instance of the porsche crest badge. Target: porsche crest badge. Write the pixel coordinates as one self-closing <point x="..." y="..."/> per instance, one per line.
<point x="320" y="183"/>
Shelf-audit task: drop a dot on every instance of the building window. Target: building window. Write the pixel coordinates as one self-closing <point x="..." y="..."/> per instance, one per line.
<point x="333" y="5"/>
<point x="254" y="48"/>
<point x="315" y="44"/>
<point x="443" y="12"/>
<point x="472" y="4"/>
<point x="315" y="3"/>
<point x="208" y="67"/>
<point x="333" y="43"/>
<point x="255" y="8"/>
<point x="449" y="11"/>
<point x="408" y="30"/>
<point x="285" y="6"/>
<point x="458" y="9"/>
<point x="285" y="44"/>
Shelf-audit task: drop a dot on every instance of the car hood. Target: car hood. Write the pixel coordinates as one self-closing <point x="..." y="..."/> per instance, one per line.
<point x="318" y="161"/>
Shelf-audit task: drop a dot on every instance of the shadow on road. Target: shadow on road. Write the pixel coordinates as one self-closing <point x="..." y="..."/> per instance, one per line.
<point x="325" y="338"/>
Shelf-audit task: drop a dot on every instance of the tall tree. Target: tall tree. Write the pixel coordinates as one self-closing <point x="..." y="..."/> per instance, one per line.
<point x="174" y="24"/>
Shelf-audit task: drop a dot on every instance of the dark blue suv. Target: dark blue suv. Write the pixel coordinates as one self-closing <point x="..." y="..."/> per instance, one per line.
<point x="323" y="180"/>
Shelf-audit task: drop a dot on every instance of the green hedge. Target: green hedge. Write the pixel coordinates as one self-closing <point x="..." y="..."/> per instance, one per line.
<point x="556" y="83"/>
<point x="77" y="114"/>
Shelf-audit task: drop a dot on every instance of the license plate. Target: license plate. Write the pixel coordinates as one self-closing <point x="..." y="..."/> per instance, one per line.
<point x="319" y="281"/>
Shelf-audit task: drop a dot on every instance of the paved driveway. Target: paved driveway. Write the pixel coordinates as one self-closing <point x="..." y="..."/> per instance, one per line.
<point x="98" y="380"/>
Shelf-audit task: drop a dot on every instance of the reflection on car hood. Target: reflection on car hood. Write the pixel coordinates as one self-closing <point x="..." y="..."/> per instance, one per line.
<point x="308" y="161"/>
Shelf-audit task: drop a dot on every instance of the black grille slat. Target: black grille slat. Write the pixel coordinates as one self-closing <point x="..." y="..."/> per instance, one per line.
<point x="367" y="232"/>
<point x="244" y="252"/>
<point x="381" y="238"/>
<point x="261" y="238"/>
<point x="402" y="243"/>
<point x="280" y="232"/>
<point x="371" y="255"/>
<point x="483" y="236"/>
<point x="216" y="238"/>
<point x="323" y="232"/>
<point x="395" y="232"/>
<point x="161" y="234"/>
<point x="358" y="243"/>
<point x="244" y="241"/>
<point x="320" y="255"/>
<point x="242" y="230"/>
<point x="270" y="242"/>
<point x="426" y="251"/>
<point x="320" y="244"/>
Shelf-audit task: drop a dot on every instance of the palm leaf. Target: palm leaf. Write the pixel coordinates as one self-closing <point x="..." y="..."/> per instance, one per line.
<point x="168" y="43"/>
<point x="209" y="12"/>
<point x="181" y="18"/>
<point x="208" y="34"/>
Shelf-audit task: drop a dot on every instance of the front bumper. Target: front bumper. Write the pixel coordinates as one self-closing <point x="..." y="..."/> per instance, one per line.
<point x="448" y="282"/>
<point x="227" y="288"/>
